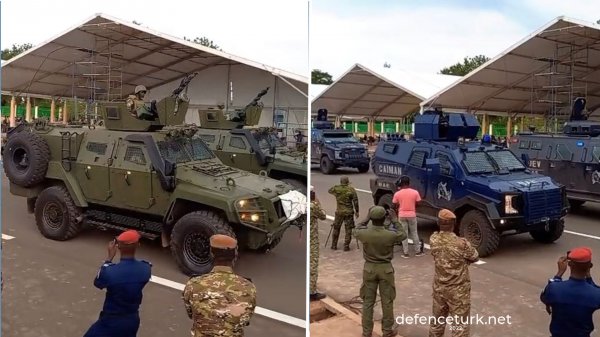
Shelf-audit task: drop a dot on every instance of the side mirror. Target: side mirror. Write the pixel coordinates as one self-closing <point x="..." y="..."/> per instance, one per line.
<point x="433" y="166"/>
<point x="525" y="159"/>
<point x="169" y="168"/>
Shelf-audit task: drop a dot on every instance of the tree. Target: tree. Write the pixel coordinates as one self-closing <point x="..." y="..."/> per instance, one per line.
<point x="469" y="64"/>
<point x="204" y="41"/>
<point x="16" y="49"/>
<point x="321" y="77"/>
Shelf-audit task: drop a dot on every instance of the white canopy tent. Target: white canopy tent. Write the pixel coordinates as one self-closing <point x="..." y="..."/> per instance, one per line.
<point x="104" y="58"/>
<point x="541" y="74"/>
<point x="361" y="92"/>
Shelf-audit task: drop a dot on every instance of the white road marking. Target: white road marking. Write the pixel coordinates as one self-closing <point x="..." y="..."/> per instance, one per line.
<point x="364" y="191"/>
<point x="427" y="246"/>
<point x="584" y="235"/>
<point x="258" y="310"/>
<point x="7" y="237"/>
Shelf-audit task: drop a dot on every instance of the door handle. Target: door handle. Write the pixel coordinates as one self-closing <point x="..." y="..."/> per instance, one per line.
<point x="127" y="178"/>
<point x="232" y="157"/>
<point x="87" y="172"/>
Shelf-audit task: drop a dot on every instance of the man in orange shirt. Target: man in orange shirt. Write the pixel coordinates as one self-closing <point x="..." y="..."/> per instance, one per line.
<point x="406" y="200"/>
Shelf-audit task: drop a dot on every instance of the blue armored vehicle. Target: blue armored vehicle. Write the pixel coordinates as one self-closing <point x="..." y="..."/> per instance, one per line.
<point x="488" y="188"/>
<point x="572" y="157"/>
<point x="332" y="148"/>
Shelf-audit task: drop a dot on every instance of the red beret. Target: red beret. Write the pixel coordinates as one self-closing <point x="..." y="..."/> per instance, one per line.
<point x="581" y="254"/>
<point x="221" y="241"/>
<point x="129" y="237"/>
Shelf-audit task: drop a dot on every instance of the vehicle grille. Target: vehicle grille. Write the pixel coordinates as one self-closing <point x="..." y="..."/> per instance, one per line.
<point x="544" y="203"/>
<point x="279" y="209"/>
<point x="356" y="154"/>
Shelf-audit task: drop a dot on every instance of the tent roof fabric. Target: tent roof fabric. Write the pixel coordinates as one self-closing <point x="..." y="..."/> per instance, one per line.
<point x="146" y="57"/>
<point x="362" y="92"/>
<point x="534" y="75"/>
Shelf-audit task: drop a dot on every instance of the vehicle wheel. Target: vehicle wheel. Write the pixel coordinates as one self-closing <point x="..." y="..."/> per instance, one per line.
<point x="298" y="184"/>
<point x="190" y="244"/>
<point x="327" y="167"/>
<point x="475" y="227"/>
<point x="26" y="158"/>
<point x="385" y="199"/>
<point x="56" y="214"/>
<point x="363" y="169"/>
<point x="575" y="205"/>
<point x="554" y="232"/>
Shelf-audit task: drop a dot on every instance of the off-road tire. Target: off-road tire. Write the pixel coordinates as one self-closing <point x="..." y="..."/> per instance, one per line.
<point x="575" y="205"/>
<point x="386" y="199"/>
<point x="363" y="169"/>
<point x="203" y="224"/>
<point x="37" y="152"/>
<point x="475" y="227"/>
<point x="298" y="184"/>
<point x="56" y="214"/>
<point x="556" y="230"/>
<point x="327" y="167"/>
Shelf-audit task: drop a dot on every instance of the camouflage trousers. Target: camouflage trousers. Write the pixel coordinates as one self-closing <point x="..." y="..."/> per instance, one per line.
<point x="452" y="302"/>
<point x="378" y="276"/>
<point x="314" y="258"/>
<point x="348" y="221"/>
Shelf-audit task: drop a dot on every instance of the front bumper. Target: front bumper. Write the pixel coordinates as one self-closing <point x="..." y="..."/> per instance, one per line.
<point x="352" y="162"/>
<point x="521" y="225"/>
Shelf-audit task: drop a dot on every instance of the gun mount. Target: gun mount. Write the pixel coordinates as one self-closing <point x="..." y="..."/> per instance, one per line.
<point x="321" y="123"/>
<point x="578" y="124"/>
<point x="237" y="119"/>
<point x="435" y="125"/>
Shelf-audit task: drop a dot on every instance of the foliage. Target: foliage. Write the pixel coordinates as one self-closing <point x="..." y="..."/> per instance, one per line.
<point x="15" y="50"/>
<point x="469" y="64"/>
<point x="204" y="41"/>
<point x="321" y="77"/>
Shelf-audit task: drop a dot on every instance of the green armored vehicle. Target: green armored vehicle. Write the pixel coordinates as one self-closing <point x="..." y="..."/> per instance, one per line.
<point x="258" y="150"/>
<point x="155" y="176"/>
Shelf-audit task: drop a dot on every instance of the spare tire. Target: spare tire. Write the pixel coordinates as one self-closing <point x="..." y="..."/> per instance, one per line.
<point x="25" y="158"/>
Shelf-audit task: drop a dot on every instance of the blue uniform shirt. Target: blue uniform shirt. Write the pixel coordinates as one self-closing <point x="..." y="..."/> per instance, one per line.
<point x="573" y="304"/>
<point x="124" y="282"/>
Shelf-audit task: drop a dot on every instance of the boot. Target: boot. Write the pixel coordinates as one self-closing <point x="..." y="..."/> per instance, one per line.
<point x="317" y="296"/>
<point x="333" y="247"/>
<point x="346" y="248"/>
<point x="392" y="333"/>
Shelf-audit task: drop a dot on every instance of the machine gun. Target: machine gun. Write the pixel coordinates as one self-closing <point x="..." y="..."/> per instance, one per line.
<point x="250" y="114"/>
<point x="182" y="86"/>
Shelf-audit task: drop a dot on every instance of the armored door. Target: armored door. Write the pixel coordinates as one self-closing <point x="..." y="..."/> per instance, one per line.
<point x="315" y="146"/>
<point x="92" y="167"/>
<point x="239" y="154"/>
<point x="131" y="177"/>
<point x="415" y="169"/>
<point x="444" y="187"/>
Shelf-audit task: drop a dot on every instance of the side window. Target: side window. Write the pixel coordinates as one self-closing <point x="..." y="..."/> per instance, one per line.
<point x="134" y="154"/>
<point x="98" y="148"/>
<point x="237" y="142"/>
<point x="536" y="145"/>
<point x="596" y="154"/>
<point x="445" y="164"/>
<point x="207" y="138"/>
<point x="315" y="135"/>
<point x="417" y="158"/>
<point x="524" y="144"/>
<point x="563" y="152"/>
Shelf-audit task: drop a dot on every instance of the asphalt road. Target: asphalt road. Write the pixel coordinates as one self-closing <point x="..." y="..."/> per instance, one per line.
<point x="48" y="285"/>
<point x="514" y="274"/>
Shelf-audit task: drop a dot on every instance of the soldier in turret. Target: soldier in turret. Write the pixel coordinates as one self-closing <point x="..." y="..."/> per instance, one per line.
<point x="136" y="106"/>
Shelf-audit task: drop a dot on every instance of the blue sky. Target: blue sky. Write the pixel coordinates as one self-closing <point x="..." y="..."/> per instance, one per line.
<point x="424" y="36"/>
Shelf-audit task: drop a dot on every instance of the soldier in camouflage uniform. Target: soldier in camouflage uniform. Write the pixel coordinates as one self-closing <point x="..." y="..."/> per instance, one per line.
<point x="220" y="303"/>
<point x="451" y="282"/>
<point x="347" y="208"/>
<point x="378" y="273"/>
<point x="136" y="106"/>
<point x="316" y="214"/>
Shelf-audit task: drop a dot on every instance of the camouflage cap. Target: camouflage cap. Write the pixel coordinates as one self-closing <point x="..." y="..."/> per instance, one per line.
<point x="344" y="180"/>
<point x="221" y="241"/>
<point x="377" y="213"/>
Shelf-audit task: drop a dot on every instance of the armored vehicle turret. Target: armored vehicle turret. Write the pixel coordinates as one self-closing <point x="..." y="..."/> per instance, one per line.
<point x="237" y="142"/>
<point x="572" y="157"/>
<point x="488" y="188"/>
<point x="333" y="148"/>
<point x="156" y="176"/>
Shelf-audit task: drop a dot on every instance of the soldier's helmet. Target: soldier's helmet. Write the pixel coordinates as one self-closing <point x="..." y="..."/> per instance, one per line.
<point x="344" y="180"/>
<point x="377" y="213"/>
<point x="140" y="88"/>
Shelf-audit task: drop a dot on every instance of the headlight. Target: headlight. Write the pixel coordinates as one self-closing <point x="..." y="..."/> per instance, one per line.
<point x="338" y="154"/>
<point x="508" y="205"/>
<point x="250" y="211"/>
<point x="247" y="204"/>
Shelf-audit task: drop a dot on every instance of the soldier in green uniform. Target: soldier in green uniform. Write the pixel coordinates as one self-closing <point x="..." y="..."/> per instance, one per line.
<point x="451" y="282"/>
<point x="378" y="273"/>
<point x="220" y="303"/>
<point x="136" y="106"/>
<point x="316" y="214"/>
<point x="346" y="210"/>
<point x="390" y="222"/>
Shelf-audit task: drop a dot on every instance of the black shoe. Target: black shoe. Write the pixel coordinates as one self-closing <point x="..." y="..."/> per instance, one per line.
<point x="333" y="248"/>
<point x="346" y="249"/>
<point x="317" y="296"/>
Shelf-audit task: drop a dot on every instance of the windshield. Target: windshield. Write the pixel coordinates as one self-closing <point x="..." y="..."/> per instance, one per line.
<point x="506" y="160"/>
<point x="266" y="140"/>
<point x="491" y="161"/>
<point x="183" y="150"/>
<point x="339" y="138"/>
